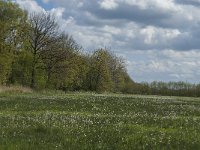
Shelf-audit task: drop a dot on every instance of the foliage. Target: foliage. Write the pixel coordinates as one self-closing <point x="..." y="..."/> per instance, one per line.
<point x="100" y="74"/>
<point x="169" y="88"/>
<point x="34" y="53"/>
<point x="11" y="19"/>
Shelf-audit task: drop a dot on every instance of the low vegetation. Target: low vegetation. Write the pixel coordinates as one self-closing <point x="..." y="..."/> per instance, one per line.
<point x="15" y="89"/>
<point x="97" y="121"/>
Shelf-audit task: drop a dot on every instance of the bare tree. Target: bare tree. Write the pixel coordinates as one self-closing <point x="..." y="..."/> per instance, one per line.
<point x="42" y="28"/>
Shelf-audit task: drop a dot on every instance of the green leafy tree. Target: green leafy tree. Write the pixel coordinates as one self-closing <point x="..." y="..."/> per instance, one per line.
<point x="100" y="78"/>
<point x="41" y="33"/>
<point x="11" y="21"/>
<point x="70" y="71"/>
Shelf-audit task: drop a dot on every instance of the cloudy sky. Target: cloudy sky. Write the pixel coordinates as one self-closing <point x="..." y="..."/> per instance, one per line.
<point x="160" y="39"/>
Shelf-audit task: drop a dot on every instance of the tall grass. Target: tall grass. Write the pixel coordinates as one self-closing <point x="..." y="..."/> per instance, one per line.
<point x="98" y="121"/>
<point x="15" y="89"/>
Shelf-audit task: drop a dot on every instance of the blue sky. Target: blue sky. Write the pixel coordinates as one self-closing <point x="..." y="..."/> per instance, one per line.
<point x="45" y="4"/>
<point x="160" y="40"/>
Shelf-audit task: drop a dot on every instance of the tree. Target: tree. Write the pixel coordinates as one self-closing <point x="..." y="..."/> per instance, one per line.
<point x="59" y="56"/>
<point x="41" y="32"/>
<point x="33" y="53"/>
<point x="118" y="72"/>
<point x="21" y="71"/>
<point x="100" y="74"/>
<point x="11" y="20"/>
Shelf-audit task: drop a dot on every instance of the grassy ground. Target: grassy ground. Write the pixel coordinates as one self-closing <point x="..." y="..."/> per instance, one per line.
<point x="89" y="121"/>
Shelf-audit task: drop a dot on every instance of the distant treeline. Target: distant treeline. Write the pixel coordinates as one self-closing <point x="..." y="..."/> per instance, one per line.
<point x="34" y="53"/>
<point x="167" y="89"/>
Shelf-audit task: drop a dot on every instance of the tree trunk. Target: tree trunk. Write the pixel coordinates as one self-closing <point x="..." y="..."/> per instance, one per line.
<point x="33" y="77"/>
<point x="33" y="72"/>
<point x="48" y="79"/>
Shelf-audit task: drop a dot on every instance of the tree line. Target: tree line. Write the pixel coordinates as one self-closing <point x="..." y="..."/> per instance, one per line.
<point x="34" y="53"/>
<point x="167" y="89"/>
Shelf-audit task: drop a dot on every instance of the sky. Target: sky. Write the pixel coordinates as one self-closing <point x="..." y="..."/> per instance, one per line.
<point x="159" y="39"/>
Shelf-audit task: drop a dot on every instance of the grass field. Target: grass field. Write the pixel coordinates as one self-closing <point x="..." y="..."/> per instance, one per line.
<point x="91" y="121"/>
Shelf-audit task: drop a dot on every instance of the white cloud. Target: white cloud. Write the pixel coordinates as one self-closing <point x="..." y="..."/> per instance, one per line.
<point x="155" y="35"/>
<point x="58" y="12"/>
<point x="112" y="30"/>
<point x="146" y="4"/>
<point x="165" y="65"/>
<point x="108" y="4"/>
<point x="149" y="34"/>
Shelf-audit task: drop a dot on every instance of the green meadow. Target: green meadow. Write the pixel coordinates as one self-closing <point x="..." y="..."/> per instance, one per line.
<point x="97" y="121"/>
